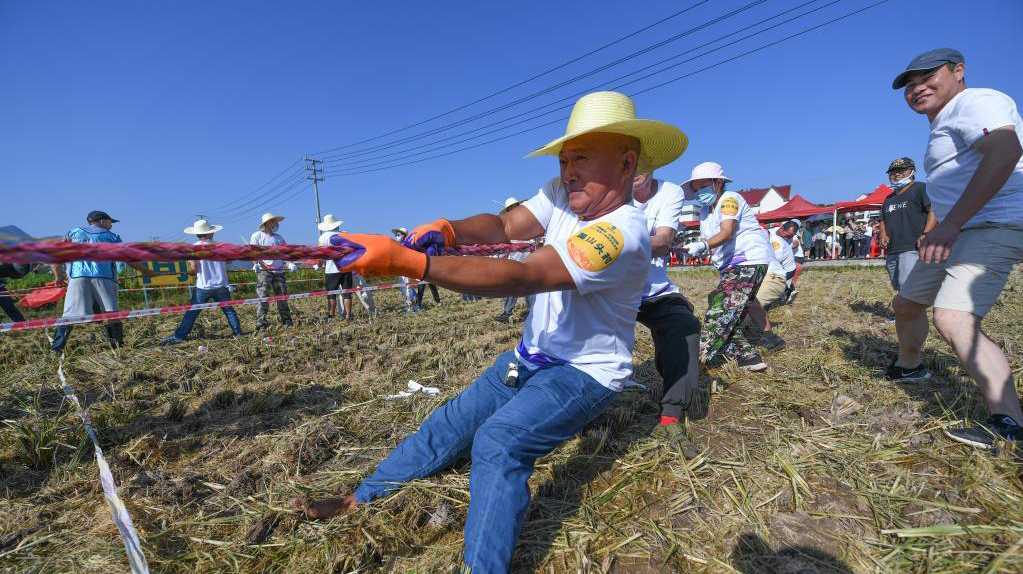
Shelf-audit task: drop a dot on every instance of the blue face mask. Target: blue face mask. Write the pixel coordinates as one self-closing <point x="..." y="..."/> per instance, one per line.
<point x="898" y="185"/>
<point x="705" y="196"/>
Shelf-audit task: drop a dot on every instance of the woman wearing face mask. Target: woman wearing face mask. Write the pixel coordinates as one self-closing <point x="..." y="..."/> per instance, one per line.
<point x="739" y="249"/>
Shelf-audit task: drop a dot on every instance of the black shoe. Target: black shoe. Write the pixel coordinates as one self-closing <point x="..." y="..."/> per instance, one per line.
<point x="771" y="342"/>
<point x="752" y="363"/>
<point x="904" y="375"/>
<point x="996" y="427"/>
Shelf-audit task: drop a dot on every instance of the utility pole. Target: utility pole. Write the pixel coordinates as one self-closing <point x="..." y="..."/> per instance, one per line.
<point x="315" y="168"/>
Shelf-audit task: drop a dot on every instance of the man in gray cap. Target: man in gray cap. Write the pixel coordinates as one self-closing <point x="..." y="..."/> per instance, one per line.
<point x="975" y="184"/>
<point x="905" y="216"/>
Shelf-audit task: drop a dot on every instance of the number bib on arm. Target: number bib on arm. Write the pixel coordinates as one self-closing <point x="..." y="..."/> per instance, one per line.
<point x="596" y="246"/>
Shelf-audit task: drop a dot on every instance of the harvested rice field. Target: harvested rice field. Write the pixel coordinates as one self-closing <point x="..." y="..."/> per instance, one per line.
<point x="817" y="465"/>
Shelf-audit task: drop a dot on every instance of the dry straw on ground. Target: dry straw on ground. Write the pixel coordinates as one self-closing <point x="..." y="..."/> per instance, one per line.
<point x="817" y="465"/>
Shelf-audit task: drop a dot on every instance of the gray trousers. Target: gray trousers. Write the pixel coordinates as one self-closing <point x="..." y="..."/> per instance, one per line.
<point x="676" y="334"/>
<point x="899" y="266"/>
<point x="267" y="281"/>
<point x="87" y="295"/>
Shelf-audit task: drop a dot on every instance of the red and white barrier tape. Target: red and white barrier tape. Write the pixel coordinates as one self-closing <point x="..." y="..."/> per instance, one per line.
<point x="179" y="309"/>
<point x="20" y="292"/>
<point x="118" y="512"/>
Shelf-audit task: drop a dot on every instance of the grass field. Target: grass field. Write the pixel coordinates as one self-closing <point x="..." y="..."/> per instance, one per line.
<point x="817" y="465"/>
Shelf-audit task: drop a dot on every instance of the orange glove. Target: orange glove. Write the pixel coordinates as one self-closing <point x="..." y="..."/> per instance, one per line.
<point x="374" y="255"/>
<point x="431" y="238"/>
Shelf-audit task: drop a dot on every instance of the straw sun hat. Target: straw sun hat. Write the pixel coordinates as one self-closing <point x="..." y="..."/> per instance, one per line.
<point x="202" y="227"/>
<point x="614" y="112"/>
<point x="269" y="217"/>
<point x="329" y="223"/>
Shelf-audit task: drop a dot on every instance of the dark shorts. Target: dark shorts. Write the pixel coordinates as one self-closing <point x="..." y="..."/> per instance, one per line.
<point x="335" y="281"/>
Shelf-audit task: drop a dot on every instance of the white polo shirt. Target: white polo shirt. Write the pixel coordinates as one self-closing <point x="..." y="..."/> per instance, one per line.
<point x="782" y="249"/>
<point x="951" y="161"/>
<point x="591" y="327"/>
<point x="663" y="209"/>
<point x="748" y="246"/>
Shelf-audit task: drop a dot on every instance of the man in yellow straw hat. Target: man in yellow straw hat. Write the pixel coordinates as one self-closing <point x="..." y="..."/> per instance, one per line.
<point x="575" y="354"/>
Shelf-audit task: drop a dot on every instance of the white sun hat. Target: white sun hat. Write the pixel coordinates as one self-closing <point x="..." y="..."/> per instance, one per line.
<point x="613" y="112"/>
<point x="329" y="223"/>
<point x="268" y="217"/>
<point x="510" y="203"/>
<point x="705" y="170"/>
<point x="202" y="227"/>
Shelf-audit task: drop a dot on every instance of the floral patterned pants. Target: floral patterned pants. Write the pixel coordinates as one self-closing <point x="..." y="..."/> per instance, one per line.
<point x="722" y="336"/>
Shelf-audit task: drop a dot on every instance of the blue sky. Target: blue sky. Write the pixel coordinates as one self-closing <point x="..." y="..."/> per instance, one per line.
<point x="157" y="112"/>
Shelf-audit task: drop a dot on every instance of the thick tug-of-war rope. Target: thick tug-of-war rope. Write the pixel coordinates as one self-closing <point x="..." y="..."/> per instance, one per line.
<point x="64" y="251"/>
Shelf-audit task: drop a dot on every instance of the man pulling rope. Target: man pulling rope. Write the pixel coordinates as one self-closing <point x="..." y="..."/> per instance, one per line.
<point x="576" y="349"/>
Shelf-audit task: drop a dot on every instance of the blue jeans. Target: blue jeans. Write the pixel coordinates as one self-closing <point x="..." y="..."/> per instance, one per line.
<point x="205" y="296"/>
<point x="507" y="429"/>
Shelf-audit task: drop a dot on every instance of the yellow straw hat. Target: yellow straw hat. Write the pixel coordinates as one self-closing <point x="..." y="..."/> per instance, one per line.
<point x="613" y="112"/>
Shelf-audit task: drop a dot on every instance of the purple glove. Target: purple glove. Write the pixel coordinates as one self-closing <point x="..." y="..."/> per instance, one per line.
<point x="338" y="240"/>
<point x="431" y="238"/>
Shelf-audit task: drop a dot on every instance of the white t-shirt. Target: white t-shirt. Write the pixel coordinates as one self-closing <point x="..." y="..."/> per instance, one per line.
<point x="210" y="274"/>
<point x="663" y="209"/>
<point x="328" y="264"/>
<point x="782" y="252"/>
<point x="267" y="239"/>
<point x="951" y="161"/>
<point x="797" y="251"/>
<point x="593" y="326"/>
<point x="749" y="244"/>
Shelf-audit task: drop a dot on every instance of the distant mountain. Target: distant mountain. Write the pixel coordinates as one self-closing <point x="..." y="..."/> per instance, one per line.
<point x="14" y="234"/>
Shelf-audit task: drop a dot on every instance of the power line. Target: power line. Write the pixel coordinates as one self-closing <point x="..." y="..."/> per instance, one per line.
<point x="283" y="182"/>
<point x="246" y="201"/>
<point x="355" y="164"/>
<point x="521" y="83"/>
<point x="271" y="180"/>
<point x="552" y="88"/>
<point x="765" y="46"/>
<point x="645" y="90"/>
<point x="267" y="201"/>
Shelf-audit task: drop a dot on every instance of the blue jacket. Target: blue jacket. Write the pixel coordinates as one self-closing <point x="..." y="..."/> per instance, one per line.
<point x="95" y="269"/>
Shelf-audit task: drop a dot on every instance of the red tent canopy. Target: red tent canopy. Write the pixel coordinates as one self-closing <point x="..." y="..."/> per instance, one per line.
<point x="873" y="200"/>
<point x="797" y="207"/>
